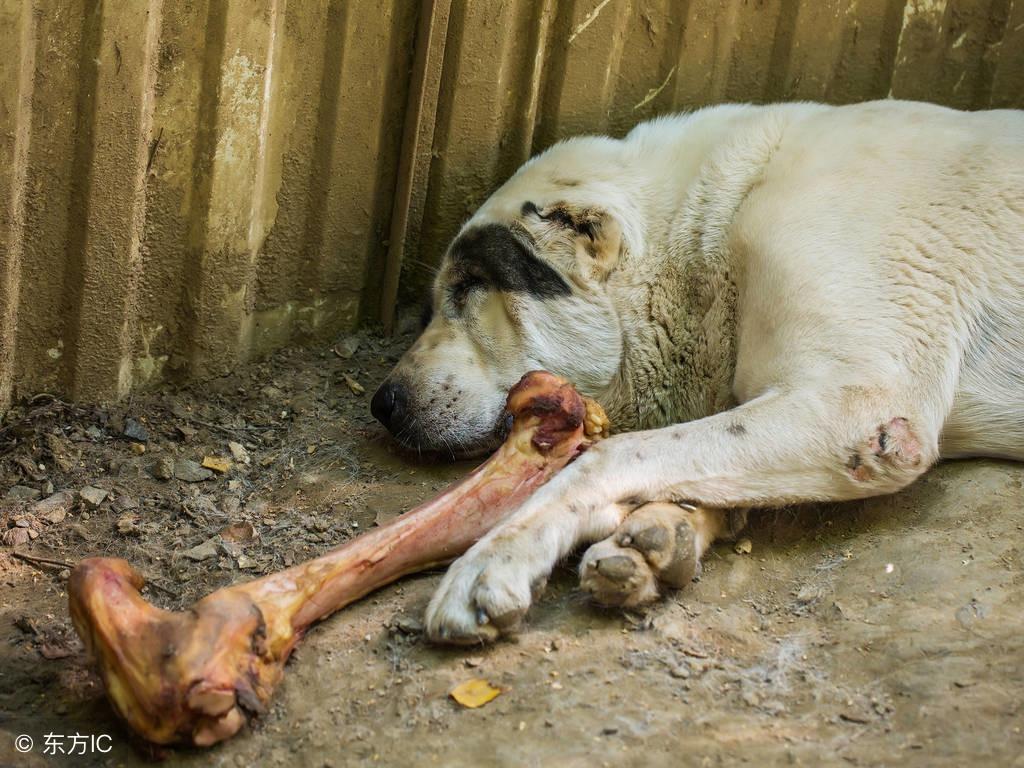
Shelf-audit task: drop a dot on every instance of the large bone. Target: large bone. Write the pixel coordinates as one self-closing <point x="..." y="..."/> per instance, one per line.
<point x="192" y="676"/>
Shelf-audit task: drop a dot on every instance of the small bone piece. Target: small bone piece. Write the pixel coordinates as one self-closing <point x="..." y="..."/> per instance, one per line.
<point x="193" y="676"/>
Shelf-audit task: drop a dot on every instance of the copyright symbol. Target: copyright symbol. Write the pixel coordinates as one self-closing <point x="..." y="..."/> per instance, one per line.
<point x="23" y="743"/>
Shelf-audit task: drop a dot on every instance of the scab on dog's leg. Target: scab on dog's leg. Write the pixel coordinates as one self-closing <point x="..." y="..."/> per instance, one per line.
<point x="659" y="545"/>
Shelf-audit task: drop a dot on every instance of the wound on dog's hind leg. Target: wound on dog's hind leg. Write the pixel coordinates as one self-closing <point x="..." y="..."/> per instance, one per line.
<point x="893" y="445"/>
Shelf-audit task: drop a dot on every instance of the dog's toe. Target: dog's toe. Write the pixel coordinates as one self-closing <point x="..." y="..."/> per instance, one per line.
<point x="481" y="598"/>
<point x="655" y="545"/>
<point x="617" y="576"/>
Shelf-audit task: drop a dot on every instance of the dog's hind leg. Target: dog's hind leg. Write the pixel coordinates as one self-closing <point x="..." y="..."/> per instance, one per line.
<point x="658" y="545"/>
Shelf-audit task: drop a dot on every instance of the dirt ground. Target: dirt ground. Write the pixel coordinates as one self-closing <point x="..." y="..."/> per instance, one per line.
<point x="887" y="632"/>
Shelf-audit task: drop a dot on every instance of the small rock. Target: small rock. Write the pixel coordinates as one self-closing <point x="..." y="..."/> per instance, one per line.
<point x="54" y="508"/>
<point x="138" y="449"/>
<point x="238" y="452"/>
<point x="231" y="548"/>
<point x="191" y="471"/>
<point x="92" y="496"/>
<point x="609" y="730"/>
<point x="125" y="503"/>
<point x="203" y="551"/>
<point x="743" y="547"/>
<point x="680" y="671"/>
<point x="186" y="432"/>
<point x="217" y="464"/>
<point x="133" y="430"/>
<point x="473" y="661"/>
<point x="14" y="537"/>
<point x="409" y="625"/>
<point x="163" y="468"/>
<point x="127" y="524"/>
<point x="245" y="562"/>
<point x="22" y="493"/>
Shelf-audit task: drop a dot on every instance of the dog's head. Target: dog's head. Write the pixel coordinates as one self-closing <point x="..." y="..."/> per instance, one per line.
<point x="523" y="286"/>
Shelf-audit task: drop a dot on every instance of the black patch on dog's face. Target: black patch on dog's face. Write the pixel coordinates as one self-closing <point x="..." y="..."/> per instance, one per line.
<point x="493" y="256"/>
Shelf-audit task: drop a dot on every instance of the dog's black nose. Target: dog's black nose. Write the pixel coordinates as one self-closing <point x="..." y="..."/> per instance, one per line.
<point x="388" y="404"/>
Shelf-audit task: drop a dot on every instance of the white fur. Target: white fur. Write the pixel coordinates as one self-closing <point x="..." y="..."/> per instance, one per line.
<point x="799" y="303"/>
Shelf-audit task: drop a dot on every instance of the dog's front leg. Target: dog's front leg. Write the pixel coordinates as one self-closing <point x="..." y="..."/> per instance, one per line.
<point x="778" y="449"/>
<point x="487" y="591"/>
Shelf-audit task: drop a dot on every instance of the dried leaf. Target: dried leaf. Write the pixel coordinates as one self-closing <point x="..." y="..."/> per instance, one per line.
<point x="217" y="464"/>
<point x="355" y="386"/>
<point x="474" y="693"/>
<point x="239" y="532"/>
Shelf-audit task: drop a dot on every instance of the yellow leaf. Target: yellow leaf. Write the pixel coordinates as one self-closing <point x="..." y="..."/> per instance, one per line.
<point x="216" y="463"/>
<point x="474" y="693"/>
<point x="355" y="386"/>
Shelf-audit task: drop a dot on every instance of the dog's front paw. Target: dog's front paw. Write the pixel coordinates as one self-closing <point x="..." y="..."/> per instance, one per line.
<point x="484" y="595"/>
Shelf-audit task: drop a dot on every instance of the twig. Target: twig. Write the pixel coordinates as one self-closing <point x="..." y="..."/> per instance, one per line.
<point x="229" y="430"/>
<point x="35" y="560"/>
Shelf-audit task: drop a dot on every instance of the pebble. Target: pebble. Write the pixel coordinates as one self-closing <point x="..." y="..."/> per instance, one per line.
<point x="22" y="493"/>
<point x="238" y="452"/>
<point x="14" y="537"/>
<point x="133" y="430"/>
<point x="163" y="468"/>
<point x="54" y="509"/>
<point x="92" y="496"/>
<point x="409" y="625"/>
<point x="203" y="551"/>
<point x="191" y="471"/>
<point x="127" y="523"/>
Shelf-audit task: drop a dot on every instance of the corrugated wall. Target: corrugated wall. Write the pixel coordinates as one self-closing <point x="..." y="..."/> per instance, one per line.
<point x="184" y="186"/>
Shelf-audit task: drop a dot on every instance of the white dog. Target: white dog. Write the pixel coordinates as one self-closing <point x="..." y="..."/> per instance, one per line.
<point x="787" y="303"/>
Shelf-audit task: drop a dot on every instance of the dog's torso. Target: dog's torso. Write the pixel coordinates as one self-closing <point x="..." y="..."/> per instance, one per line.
<point x="884" y="232"/>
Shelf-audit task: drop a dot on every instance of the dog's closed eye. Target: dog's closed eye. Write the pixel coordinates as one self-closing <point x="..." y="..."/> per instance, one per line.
<point x="461" y="288"/>
<point x="558" y="214"/>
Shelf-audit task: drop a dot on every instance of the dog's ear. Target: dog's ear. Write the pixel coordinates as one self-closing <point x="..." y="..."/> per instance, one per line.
<point x="596" y="233"/>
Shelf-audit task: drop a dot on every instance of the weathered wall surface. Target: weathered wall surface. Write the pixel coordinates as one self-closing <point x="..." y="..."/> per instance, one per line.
<point x="184" y="186"/>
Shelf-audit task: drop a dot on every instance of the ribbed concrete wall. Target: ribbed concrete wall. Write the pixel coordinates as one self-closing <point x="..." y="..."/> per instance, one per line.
<point x="184" y="186"/>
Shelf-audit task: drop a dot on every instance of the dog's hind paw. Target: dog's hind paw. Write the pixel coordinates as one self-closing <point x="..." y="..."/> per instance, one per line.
<point x="657" y="545"/>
